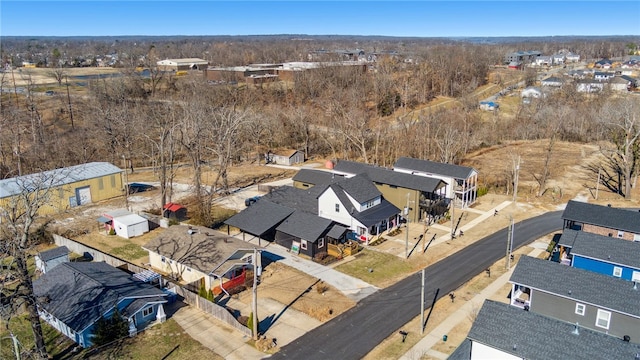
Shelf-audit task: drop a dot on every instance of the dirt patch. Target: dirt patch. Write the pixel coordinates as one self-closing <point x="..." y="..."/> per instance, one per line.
<point x="301" y="291"/>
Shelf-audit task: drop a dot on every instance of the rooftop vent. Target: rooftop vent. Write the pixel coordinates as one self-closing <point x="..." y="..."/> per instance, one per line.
<point x="626" y="338"/>
<point x="575" y="330"/>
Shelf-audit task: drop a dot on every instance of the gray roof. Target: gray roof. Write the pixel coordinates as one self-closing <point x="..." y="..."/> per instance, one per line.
<point x="436" y="168"/>
<point x="138" y="304"/>
<point x="359" y="187"/>
<point x="390" y="177"/>
<point x="337" y="231"/>
<point x="53" y="253"/>
<point x="298" y="199"/>
<point x="315" y="177"/>
<point x="608" y="249"/>
<point x="58" y="177"/>
<point x="305" y="226"/>
<point x="78" y="293"/>
<point x="462" y="352"/>
<point x="604" y="216"/>
<point x="580" y="285"/>
<point x="568" y="237"/>
<point x="535" y="336"/>
<point x="204" y="250"/>
<point x="260" y="217"/>
<point x="374" y="215"/>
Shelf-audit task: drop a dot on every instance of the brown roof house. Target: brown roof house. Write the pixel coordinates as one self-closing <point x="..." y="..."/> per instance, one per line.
<point x="199" y="256"/>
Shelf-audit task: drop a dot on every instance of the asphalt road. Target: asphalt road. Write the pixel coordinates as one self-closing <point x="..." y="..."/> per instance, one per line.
<point x="356" y="332"/>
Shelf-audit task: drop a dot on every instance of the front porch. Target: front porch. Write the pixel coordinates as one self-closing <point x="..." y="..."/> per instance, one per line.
<point x="343" y="250"/>
<point x="520" y="296"/>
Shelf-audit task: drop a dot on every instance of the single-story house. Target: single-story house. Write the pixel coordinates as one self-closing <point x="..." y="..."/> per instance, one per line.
<point x="462" y="181"/>
<point x="619" y="84"/>
<point x="589" y="85"/>
<point x="599" y="302"/>
<point x="532" y="92"/>
<point x="125" y="223"/>
<point x="260" y="219"/>
<point x="602" y="220"/>
<point x="602" y="76"/>
<point x="67" y="187"/>
<point x="304" y="233"/>
<point x="182" y="64"/>
<point x="75" y="295"/>
<point x="503" y="332"/>
<point x="193" y="254"/>
<point x="47" y="260"/>
<point x="289" y="157"/>
<point x="489" y="105"/>
<point x="552" y="81"/>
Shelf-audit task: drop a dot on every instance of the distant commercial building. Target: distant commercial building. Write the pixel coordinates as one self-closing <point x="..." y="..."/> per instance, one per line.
<point x="182" y="64"/>
<point x="525" y="57"/>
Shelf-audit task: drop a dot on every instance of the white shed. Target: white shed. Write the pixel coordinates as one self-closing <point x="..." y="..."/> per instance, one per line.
<point x="131" y="225"/>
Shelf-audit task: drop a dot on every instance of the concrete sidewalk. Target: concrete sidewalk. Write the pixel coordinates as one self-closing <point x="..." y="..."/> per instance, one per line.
<point x="350" y="286"/>
<point x="431" y="339"/>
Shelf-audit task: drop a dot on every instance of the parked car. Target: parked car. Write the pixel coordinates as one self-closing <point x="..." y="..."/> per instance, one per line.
<point x="49" y="93"/>
<point x="250" y="201"/>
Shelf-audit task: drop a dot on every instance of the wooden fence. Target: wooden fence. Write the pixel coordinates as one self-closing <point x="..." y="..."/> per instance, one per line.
<point x="211" y="308"/>
<point x="190" y="298"/>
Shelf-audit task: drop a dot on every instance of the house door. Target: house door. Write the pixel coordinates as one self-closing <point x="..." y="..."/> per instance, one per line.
<point x="83" y="195"/>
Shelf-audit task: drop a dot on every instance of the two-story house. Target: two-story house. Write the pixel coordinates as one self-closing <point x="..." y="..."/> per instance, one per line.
<point x="595" y="301"/>
<point x="603" y="220"/>
<point x="503" y="332"/>
<point x="462" y="181"/>
<point x="422" y="197"/>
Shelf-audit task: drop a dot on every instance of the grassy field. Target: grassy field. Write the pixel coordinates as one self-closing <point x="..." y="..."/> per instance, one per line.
<point x="19" y="326"/>
<point x="376" y="268"/>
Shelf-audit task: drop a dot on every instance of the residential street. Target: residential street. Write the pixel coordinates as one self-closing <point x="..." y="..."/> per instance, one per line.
<point x="353" y="334"/>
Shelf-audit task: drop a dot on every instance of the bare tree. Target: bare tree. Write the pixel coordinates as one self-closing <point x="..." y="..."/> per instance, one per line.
<point x="58" y="74"/>
<point x="19" y="217"/>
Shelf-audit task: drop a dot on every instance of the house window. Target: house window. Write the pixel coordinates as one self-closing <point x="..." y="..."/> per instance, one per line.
<point x="620" y="234"/>
<point x="635" y="276"/>
<point x="617" y="271"/>
<point x="61" y="192"/>
<point x="148" y="311"/>
<point x="113" y="181"/>
<point x="303" y="244"/>
<point x="636" y="237"/>
<point x="580" y="308"/>
<point x="603" y="318"/>
<point x="320" y="243"/>
<point x="100" y="184"/>
<point x="188" y="269"/>
<point x="337" y="207"/>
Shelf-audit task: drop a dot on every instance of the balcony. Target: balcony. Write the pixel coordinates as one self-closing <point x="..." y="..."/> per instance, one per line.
<point x="520" y="297"/>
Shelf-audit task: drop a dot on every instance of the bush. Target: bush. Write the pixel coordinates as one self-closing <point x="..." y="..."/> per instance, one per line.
<point x="482" y="191"/>
<point x="108" y="330"/>
<point x="321" y="287"/>
<point x="112" y="231"/>
<point x="204" y="293"/>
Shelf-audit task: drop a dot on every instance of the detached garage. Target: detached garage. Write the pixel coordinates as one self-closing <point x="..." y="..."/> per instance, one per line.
<point x="131" y="225"/>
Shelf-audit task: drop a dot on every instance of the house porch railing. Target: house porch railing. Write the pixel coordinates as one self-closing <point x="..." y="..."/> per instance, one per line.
<point x="343" y="250"/>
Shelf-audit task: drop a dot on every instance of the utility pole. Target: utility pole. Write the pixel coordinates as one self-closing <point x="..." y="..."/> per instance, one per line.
<point x="598" y="183"/>
<point x="422" y="304"/>
<point x="69" y="101"/>
<point x="126" y="183"/>
<point x="510" y="242"/>
<point x="453" y="211"/>
<point x="406" y="235"/>
<point x="254" y="301"/>
<point x="515" y="180"/>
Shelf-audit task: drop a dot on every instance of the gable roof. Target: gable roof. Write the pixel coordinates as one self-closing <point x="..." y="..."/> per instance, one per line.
<point x="53" y="253"/>
<point x="204" y="249"/>
<point x="315" y="177"/>
<point x="359" y="187"/>
<point x="605" y="216"/>
<point x="305" y="226"/>
<point x="528" y="335"/>
<point x="436" y="168"/>
<point x="295" y="199"/>
<point x="57" y="177"/>
<point x="79" y="293"/>
<point x="390" y="177"/>
<point x="260" y="217"/>
<point x="337" y="231"/>
<point x="606" y="248"/>
<point x="577" y="284"/>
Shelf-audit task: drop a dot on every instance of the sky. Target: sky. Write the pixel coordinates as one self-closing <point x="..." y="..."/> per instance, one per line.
<point x="387" y="18"/>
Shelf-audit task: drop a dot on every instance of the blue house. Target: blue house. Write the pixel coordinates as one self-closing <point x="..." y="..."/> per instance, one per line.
<point x="74" y="296"/>
<point x="606" y="255"/>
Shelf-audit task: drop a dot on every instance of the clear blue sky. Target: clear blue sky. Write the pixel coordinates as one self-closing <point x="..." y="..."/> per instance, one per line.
<point x="391" y="18"/>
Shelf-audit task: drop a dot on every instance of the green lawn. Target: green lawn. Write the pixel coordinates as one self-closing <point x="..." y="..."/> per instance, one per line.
<point x="21" y="329"/>
<point x="376" y="268"/>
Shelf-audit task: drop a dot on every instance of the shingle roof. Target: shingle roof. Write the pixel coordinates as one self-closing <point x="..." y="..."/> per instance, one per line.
<point x="462" y="352"/>
<point x="374" y="215"/>
<point x="609" y="217"/>
<point x="359" y="187"/>
<point x="305" y="226"/>
<point x="79" y="293"/>
<point x="204" y="250"/>
<point x="53" y="253"/>
<point x="528" y="335"/>
<point x="608" y="249"/>
<point x="260" y="217"/>
<point x="390" y="177"/>
<point x="568" y="237"/>
<point x="298" y="199"/>
<point x="436" y="168"/>
<point x="584" y="286"/>
<point x="315" y="177"/>
<point x="57" y="177"/>
<point x="337" y="231"/>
